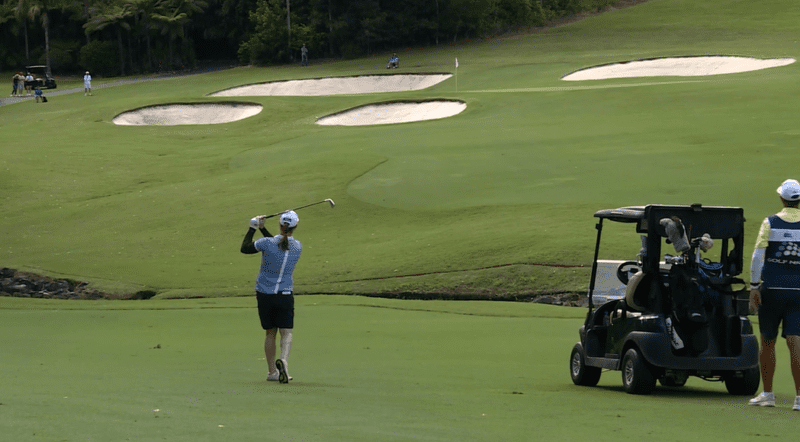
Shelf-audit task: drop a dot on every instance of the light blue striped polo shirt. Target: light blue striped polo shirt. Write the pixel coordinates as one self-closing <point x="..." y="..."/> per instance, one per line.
<point x="277" y="265"/>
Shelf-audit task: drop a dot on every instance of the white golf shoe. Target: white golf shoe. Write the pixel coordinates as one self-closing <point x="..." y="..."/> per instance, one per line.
<point x="283" y="370"/>
<point x="274" y="376"/>
<point x="796" y="406"/>
<point x="764" y="400"/>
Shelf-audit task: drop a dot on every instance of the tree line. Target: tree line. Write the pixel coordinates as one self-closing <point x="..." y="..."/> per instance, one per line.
<point x="122" y="37"/>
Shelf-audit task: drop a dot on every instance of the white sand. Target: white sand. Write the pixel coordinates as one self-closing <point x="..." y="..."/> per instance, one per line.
<point x="367" y="84"/>
<point x="177" y="114"/>
<point x="680" y="67"/>
<point x="391" y="113"/>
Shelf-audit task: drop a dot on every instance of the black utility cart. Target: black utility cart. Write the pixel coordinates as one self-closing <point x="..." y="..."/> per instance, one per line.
<point x="681" y="314"/>
<point x="41" y="77"/>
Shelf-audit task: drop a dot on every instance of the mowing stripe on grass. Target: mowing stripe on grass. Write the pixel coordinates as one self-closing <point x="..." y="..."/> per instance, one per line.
<point x="581" y="88"/>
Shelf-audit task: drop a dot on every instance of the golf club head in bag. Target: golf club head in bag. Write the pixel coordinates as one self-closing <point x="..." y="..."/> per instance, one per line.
<point x="676" y="234"/>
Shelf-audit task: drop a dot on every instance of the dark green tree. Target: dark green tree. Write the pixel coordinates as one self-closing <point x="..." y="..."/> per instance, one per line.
<point x="269" y="40"/>
<point x="8" y="18"/>
<point x="110" y="14"/>
<point x="222" y="28"/>
<point x="21" y="14"/>
<point x="142" y="11"/>
<point x="171" y="17"/>
<point x="40" y="9"/>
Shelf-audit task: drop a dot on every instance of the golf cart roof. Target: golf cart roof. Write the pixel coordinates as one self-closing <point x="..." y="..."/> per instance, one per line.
<point x="717" y="221"/>
<point x="37" y="66"/>
<point x="622" y="215"/>
<point x="720" y="223"/>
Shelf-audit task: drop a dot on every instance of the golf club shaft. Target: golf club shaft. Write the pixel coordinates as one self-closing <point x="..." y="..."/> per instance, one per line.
<point x="327" y="200"/>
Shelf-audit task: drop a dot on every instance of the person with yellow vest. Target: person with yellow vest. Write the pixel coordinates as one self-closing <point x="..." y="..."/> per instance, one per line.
<point x="775" y="289"/>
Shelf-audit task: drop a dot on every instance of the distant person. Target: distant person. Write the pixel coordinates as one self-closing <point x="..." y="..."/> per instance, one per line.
<point x="394" y="62"/>
<point x="14" y="83"/>
<point x="38" y="94"/>
<point x="304" y="55"/>
<point x="29" y="84"/>
<point x="775" y="290"/>
<point x="274" y="288"/>
<point x="20" y="84"/>
<point x="87" y="84"/>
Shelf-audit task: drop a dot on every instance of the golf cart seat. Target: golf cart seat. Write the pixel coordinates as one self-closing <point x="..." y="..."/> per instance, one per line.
<point x="636" y="292"/>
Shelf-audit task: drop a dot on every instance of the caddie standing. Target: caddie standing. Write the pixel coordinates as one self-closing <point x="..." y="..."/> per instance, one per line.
<point x="775" y="268"/>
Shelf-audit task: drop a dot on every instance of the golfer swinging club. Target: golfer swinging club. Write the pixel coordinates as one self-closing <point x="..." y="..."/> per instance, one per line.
<point x="274" y="286"/>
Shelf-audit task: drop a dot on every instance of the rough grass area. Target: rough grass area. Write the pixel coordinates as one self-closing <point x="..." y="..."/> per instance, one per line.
<point x="505" y="283"/>
<point x="520" y="282"/>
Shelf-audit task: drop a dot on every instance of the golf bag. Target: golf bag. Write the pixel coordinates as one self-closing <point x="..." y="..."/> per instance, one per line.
<point x="44" y="99"/>
<point x="723" y="302"/>
<point x="688" y="314"/>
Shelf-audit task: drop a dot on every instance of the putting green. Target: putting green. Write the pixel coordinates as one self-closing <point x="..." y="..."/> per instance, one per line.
<point x="571" y="146"/>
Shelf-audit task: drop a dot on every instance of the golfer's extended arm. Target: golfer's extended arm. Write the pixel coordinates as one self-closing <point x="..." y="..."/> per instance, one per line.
<point x="247" y="243"/>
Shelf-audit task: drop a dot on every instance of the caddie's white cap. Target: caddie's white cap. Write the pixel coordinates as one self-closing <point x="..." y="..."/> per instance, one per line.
<point x="289" y="219"/>
<point x="790" y="190"/>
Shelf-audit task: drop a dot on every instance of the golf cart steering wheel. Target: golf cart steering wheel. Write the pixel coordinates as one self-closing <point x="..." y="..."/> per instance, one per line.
<point x="626" y="269"/>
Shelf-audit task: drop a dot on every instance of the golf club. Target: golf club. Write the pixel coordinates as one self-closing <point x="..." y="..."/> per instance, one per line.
<point x="327" y="200"/>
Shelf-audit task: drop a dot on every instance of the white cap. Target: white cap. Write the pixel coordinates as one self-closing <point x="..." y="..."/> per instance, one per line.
<point x="289" y="219"/>
<point x="790" y="190"/>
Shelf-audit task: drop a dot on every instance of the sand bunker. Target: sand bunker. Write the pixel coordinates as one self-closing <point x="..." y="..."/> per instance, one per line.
<point x="188" y="113"/>
<point x="678" y="67"/>
<point x="395" y="112"/>
<point x="367" y="84"/>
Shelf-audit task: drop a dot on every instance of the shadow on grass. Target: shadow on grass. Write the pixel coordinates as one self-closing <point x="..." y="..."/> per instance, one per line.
<point x="685" y="393"/>
<point x="293" y="387"/>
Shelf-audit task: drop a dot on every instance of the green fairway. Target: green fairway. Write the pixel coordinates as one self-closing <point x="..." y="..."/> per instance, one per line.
<point x="364" y="370"/>
<point x="496" y="201"/>
<point x="458" y="205"/>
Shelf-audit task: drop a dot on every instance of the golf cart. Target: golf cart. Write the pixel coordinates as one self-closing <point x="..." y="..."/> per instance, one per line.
<point x="40" y="77"/>
<point x="676" y="317"/>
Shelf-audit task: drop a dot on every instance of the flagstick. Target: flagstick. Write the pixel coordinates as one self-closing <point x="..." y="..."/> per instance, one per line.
<point x="456" y="74"/>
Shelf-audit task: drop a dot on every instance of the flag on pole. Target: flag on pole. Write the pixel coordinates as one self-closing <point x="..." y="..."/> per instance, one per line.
<point x="456" y="74"/>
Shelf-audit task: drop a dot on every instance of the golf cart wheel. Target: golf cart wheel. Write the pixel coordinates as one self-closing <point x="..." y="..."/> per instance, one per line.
<point x="637" y="377"/>
<point x="746" y="385"/>
<point x="580" y="372"/>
